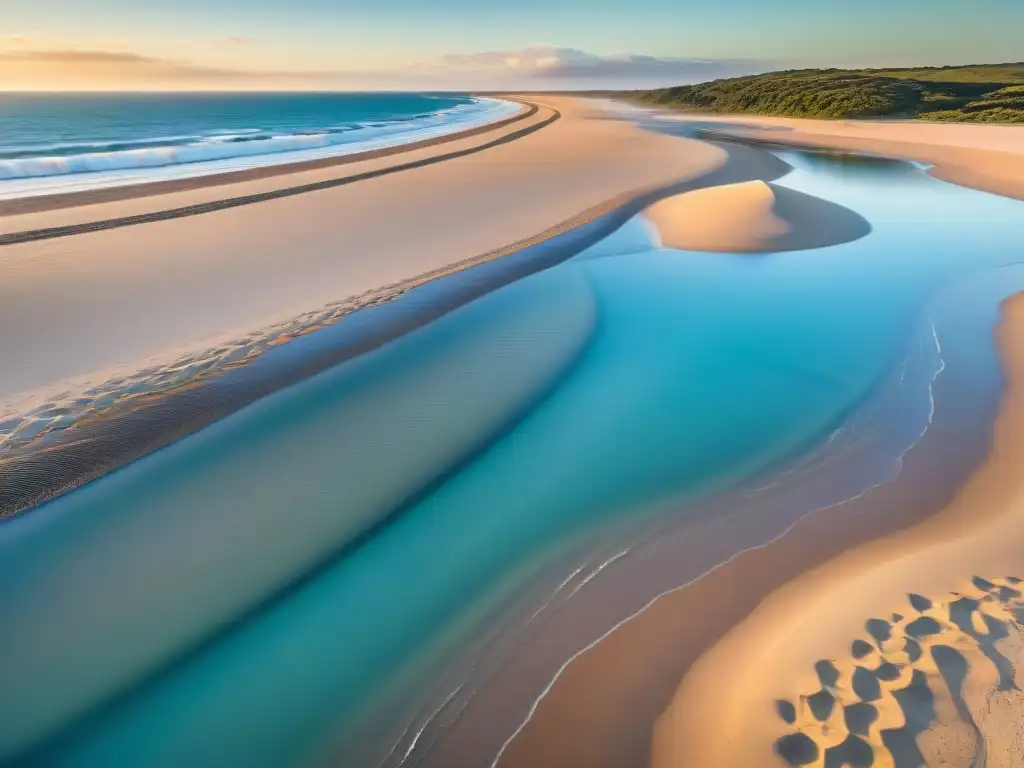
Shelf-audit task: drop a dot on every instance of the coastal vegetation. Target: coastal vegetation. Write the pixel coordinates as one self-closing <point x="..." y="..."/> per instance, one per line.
<point x="979" y="93"/>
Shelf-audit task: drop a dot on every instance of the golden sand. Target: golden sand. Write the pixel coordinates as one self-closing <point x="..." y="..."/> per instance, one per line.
<point x="109" y="300"/>
<point x="985" y="157"/>
<point x="909" y="647"/>
<point x="752" y="217"/>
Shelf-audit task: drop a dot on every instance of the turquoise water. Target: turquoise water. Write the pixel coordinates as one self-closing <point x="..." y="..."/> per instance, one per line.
<point x="252" y="594"/>
<point x="62" y="142"/>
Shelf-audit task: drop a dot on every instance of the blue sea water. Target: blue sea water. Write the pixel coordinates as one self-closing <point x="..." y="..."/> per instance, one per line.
<point x="315" y="550"/>
<point x="50" y="142"/>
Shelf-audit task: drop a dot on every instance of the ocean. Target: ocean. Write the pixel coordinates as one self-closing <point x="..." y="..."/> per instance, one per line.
<point x="51" y="143"/>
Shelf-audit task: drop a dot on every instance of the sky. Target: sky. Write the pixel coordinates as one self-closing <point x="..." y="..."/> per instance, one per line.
<point x="479" y="44"/>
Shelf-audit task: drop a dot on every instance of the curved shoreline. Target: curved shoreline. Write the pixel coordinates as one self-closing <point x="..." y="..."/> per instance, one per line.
<point x="664" y="636"/>
<point x="964" y="166"/>
<point x="100" y="444"/>
<point x="204" y="392"/>
<point x="56" y="201"/>
<point x="28" y="236"/>
<point x="973" y="535"/>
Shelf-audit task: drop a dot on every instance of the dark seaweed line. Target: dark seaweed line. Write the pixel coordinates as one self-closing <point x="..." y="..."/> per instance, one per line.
<point x="50" y="233"/>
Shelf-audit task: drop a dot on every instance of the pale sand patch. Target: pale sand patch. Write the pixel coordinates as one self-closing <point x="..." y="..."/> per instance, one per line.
<point x="985" y="157"/>
<point x="727" y="709"/>
<point x="752" y="217"/>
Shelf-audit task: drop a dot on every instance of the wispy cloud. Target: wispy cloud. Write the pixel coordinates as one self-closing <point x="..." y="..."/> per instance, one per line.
<point x="536" y="67"/>
<point x="105" y="68"/>
<point x="75" y="56"/>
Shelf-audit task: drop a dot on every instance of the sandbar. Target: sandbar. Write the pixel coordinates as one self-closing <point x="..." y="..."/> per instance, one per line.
<point x="752" y="217"/>
<point x="985" y="157"/>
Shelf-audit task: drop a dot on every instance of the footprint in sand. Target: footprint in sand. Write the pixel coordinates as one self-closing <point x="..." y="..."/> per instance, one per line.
<point x="937" y="685"/>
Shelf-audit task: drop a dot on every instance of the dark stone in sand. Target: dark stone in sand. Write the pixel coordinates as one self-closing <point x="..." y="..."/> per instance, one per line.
<point x="923" y="627"/>
<point x="821" y="704"/>
<point x="797" y="749"/>
<point x="887" y="671"/>
<point x="786" y="710"/>
<point x="983" y="584"/>
<point x="859" y="717"/>
<point x="913" y="649"/>
<point x="920" y="603"/>
<point x="853" y="752"/>
<point x="861" y="648"/>
<point x="879" y="629"/>
<point x="827" y="672"/>
<point x="865" y="684"/>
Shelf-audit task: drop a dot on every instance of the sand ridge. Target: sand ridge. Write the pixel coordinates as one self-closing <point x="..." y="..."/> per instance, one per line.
<point x="985" y="157"/>
<point x="752" y="217"/>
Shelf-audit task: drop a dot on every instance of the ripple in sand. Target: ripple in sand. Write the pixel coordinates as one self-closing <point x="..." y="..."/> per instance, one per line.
<point x="939" y="689"/>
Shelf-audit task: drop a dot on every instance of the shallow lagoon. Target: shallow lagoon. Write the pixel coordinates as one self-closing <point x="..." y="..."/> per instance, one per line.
<point x="300" y="562"/>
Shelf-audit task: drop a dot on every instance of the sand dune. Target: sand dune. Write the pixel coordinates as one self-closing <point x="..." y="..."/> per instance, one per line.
<point x="906" y="651"/>
<point x="752" y="217"/>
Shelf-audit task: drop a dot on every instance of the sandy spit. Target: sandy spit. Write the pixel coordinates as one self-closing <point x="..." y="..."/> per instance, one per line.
<point x="753" y="217"/>
<point x="985" y="157"/>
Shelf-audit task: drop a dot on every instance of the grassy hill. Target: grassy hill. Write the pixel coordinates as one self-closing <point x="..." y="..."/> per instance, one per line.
<point x="978" y="93"/>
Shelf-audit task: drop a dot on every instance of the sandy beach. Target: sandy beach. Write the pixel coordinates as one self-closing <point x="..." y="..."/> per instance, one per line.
<point x="77" y="301"/>
<point x="910" y="645"/>
<point x="115" y="295"/>
<point x="985" y="157"/>
<point x="580" y="719"/>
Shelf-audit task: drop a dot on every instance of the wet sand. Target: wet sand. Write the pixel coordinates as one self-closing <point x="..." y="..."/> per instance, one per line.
<point x="582" y="718"/>
<point x="108" y="303"/>
<point x="907" y="649"/>
<point x="576" y="164"/>
<point x="985" y="157"/>
<point x="55" y="201"/>
<point x="106" y="346"/>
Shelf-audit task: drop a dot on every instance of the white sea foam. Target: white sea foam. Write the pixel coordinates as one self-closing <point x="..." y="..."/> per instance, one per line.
<point x="223" y="152"/>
